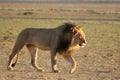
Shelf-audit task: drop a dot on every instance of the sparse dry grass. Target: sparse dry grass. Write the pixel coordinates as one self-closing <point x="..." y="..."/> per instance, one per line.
<point x="55" y="11"/>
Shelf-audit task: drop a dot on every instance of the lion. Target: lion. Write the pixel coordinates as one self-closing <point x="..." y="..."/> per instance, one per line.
<point x="62" y="40"/>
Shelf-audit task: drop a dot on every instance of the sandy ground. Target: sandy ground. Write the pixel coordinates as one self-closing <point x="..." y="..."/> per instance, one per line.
<point x="93" y="64"/>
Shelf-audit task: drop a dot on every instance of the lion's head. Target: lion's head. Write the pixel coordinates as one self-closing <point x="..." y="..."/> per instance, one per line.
<point x="71" y="36"/>
<point x="78" y="36"/>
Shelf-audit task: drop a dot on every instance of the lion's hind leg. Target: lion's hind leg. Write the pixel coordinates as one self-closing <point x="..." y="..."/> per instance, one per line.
<point x="33" y="51"/>
<point x="14" y="54"/>
<point x="20" y="42"/>
<point x="10" y="63"/>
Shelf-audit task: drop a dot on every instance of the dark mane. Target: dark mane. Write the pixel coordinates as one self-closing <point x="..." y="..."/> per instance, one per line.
<point x="65" y="38"/>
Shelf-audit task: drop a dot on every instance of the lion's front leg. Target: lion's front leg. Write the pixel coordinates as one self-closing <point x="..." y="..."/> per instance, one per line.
<point x="70" y="59"/>
<point x="54" y="63"/>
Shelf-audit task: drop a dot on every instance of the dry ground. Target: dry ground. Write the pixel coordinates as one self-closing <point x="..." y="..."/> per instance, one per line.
<point x="99" y="60"/>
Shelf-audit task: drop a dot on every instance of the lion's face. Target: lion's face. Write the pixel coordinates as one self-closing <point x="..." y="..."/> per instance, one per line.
<point x="79" y="37"/>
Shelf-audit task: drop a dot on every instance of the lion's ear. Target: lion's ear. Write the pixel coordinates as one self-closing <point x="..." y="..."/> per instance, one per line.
<point x="74" y="31"/>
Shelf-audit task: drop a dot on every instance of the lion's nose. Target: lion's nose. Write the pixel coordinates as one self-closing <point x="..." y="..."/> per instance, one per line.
<point x="85" y="42"/>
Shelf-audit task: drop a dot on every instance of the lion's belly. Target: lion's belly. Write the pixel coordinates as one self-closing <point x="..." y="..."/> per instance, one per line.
<point x="43" y="47"/>
<point x="41" y="44"/>
<point x="41" y="41"/>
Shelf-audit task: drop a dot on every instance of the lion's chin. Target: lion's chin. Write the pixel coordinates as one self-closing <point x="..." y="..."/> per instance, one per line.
<point x="82" y="46"/>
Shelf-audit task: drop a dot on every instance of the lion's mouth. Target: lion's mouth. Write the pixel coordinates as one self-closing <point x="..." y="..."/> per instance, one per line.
<point x="82" y="45"/>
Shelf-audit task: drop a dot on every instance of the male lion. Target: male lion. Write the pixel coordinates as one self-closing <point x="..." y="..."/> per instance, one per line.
<point x="62" y="40"/>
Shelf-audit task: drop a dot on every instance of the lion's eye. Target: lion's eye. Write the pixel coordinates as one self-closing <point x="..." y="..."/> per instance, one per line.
<point x="80" y="37"/>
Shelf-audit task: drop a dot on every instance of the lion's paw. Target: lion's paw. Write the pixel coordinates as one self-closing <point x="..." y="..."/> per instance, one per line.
<point x="40" y="70"/>
<point x="9" y="68"/>
<point x="56" y="71"/>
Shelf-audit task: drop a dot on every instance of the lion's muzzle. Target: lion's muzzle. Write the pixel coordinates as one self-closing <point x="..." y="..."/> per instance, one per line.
<point x="83" y="43"/>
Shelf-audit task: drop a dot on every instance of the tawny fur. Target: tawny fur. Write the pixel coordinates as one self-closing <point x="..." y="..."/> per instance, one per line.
<point x="62" y="40"/>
